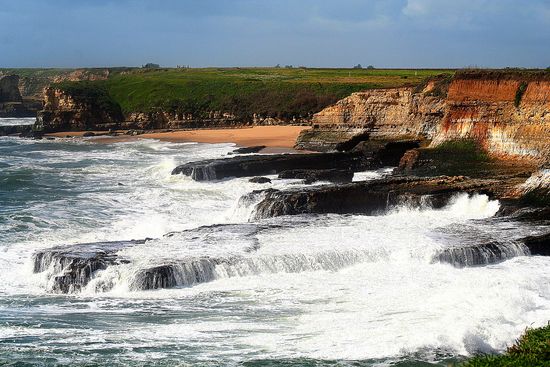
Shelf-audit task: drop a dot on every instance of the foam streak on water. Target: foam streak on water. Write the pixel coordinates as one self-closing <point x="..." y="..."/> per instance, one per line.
<point x="303" y="288"/>
<point x="13" y="121"/>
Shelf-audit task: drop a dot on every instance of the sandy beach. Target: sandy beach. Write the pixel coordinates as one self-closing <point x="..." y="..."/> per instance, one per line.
<point x="275" y="138"/>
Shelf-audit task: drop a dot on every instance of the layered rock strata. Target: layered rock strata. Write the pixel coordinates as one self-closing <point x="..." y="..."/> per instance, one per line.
<point x="65" y="112"/>
<point x="507" y="113"/>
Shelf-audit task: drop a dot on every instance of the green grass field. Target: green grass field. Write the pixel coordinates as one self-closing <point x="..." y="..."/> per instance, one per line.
<point x="243" y="91"/>
<point x="273" y="92"/>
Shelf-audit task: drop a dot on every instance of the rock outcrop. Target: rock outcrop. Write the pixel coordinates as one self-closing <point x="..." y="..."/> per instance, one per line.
<point x="9" y="89"/>
<point x="368" y="198"/>
<point x="536" y="190"/>
<point x="11" y="102"/>
<point x="398" y="113"/>
<point x="259" y="165"/>
<point x="74" y="266"/>
<point x="481" y="254"/>
<point x="100" y="267"/>
<point x="507" y="113"/>
<point x="248" y="150"/>
<point x="337" y="166"/>
<point x="308" y="176"/>
<point x="72" y="112"/>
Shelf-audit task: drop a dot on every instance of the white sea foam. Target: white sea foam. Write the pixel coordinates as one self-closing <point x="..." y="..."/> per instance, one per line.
<point x="328" y="287"/>
<point x="14" y="121"/>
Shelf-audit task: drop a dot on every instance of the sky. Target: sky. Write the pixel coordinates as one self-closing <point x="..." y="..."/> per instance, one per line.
<point x="312" y="33"/>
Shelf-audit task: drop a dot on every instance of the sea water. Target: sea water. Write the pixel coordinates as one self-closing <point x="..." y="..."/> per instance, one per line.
<point x="305" y="290"/>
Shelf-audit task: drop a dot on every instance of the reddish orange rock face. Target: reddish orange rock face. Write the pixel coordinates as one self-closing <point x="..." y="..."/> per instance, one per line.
<point x="483" y="90"/>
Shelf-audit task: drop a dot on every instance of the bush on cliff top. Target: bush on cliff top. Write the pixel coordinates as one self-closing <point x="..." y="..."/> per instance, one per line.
<point x="531" y="350"/>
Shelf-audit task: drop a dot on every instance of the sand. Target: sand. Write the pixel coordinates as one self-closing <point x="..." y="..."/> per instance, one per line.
<point x="276" y="138"/>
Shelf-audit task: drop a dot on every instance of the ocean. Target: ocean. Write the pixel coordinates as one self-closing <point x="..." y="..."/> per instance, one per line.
<point x="307" y="290"/>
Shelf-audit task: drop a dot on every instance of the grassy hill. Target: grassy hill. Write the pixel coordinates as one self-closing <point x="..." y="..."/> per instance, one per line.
<point x="275" y="92"/>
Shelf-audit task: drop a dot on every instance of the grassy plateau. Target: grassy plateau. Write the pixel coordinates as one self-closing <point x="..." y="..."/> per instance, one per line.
<point x="269" y="92"/>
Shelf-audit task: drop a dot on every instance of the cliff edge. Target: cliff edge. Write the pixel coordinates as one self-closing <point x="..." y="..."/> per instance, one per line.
<point x="506" y="113"/>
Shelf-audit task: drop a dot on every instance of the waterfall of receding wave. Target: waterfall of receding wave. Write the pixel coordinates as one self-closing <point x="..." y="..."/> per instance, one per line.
<point x="108" y="259"/>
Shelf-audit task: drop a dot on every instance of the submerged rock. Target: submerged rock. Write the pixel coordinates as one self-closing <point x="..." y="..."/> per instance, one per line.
<point x="184" y="273"/>
<point x="260" y="180"/>
<point x="481" y="254"/>
<point x="74" y="266"/>
<point x="495" y="251"/>
<point x="71" y="268"/>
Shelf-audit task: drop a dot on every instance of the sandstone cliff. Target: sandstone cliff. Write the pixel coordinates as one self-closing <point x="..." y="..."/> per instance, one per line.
<point x="508" y="114"/>
<point x="508" y="117"/>
<point x="11" y="102"/>
<point x="65" y="112"/>
<point x="84" y="109"/>
<point x="9" y="89"/>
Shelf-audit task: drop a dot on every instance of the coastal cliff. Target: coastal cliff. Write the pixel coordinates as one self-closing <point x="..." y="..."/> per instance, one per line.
<point x="77" y="110"/>
<point x="506" y="113"/>
<point x="11" y="101"/>
<point x="509" y="115"/>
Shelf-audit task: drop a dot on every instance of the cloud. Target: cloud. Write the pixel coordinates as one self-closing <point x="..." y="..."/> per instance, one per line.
<point x="393" y="33"/>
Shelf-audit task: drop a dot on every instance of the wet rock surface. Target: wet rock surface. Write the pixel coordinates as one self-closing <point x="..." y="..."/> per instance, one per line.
<point x="388" y="153"/>
<point x="538" y="245"/>
<point x="369" y="198"/>
<point x="260" y="180"/>
<point x="335" y="166"/>
<point x="74" y="266"/>
<point x="249" y="150"/>
<point x="482" y="254"/>
<point x="258" y="165"/>
<point x="495" y="251"/>
<point x="310" y="176"/>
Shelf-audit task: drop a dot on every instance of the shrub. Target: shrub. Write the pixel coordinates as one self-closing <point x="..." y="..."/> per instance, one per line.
<point x="519" y="93"/>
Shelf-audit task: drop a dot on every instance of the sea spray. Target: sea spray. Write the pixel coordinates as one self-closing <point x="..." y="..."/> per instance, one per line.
<point x="310" y="287"/>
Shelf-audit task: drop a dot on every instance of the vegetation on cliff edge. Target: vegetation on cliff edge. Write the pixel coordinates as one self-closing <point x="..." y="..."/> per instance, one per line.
<point x="531" y="350"/>
<point x="269" y="92"/>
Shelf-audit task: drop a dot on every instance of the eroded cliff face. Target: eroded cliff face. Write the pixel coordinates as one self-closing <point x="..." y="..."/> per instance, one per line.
<point x="508" y="115"/>
<point x="385" y="113"/>
<point x="509" y="118"/>
<point x="11" y="102"/>
<point x="9" y="89"/>
<point x="63" y="112"/>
